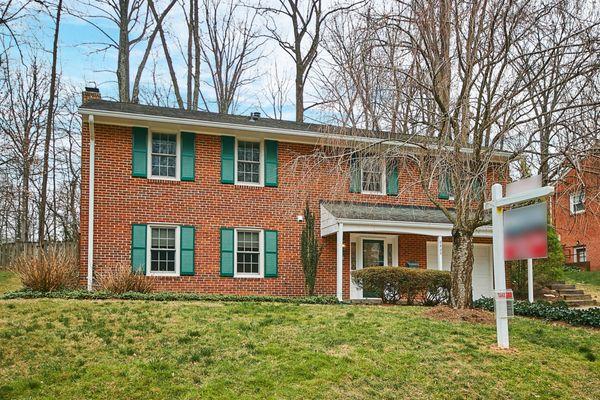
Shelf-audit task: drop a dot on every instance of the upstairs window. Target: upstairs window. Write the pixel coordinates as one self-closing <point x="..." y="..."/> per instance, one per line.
<point x="248" y="162"/>
<point x="577" y="201"/>
<point x="372" y="175"/>
<point x="445" y="187"/>
<point x="164" y="155"/>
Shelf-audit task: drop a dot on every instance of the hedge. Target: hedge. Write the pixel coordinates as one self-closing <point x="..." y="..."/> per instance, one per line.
<point x="163" y="296"/>
<point x="549" y="311"/>
<point x="431" y="287"/>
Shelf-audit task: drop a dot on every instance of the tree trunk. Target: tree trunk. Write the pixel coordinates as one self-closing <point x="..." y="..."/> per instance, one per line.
<point x="49" y="127"/>
<point x="461" y="292"/>
<point x="299" y="95"/>
<point x="123" y="56"/>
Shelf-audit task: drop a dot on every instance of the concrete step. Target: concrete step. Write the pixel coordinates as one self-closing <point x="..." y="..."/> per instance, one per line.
<point x="576" y="296"/>
<point x="580" y="303"/>
<point x="571" y="291"/>
<point x="561" y="286"/>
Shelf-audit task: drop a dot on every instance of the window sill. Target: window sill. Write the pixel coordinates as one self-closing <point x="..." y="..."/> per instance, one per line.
<point x="249" y="184"/>
<point x="248" y="276"/>
<point x="577" y="212"/>
<point x="168" y="275"/>
<point x="373" y="193"/>
<point x="163" y="181"/>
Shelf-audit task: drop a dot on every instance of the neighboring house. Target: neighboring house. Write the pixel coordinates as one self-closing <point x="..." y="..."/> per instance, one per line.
<point x="205" y="202"/>
<point x="576" y="212"/>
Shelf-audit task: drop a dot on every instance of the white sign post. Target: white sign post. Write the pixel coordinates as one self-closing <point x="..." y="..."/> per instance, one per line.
<point x="497" y="205"/>
<point x="530" y="280"/>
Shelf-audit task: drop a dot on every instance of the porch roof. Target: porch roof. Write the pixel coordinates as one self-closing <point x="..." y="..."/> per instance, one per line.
<point x="362" y="217"/>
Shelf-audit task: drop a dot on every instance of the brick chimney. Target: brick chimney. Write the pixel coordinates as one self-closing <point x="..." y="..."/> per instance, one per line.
<point x="90" y="93"/>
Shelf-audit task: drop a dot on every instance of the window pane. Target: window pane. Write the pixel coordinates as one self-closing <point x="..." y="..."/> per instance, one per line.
<point x="372" y="174"/>
<point x="248" y="252"/>
<point x="248" y="162"/>
<point x="162" y="250"/>
<point x="164" y="158"/>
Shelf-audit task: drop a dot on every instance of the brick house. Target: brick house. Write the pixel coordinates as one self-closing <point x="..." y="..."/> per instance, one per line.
<point x="576" y="213"/>
<point x="204" y="202"/>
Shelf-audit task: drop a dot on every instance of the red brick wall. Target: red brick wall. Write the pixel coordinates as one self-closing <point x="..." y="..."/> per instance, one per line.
<point x="121" y="200"/>
<point x="579" y="229"/>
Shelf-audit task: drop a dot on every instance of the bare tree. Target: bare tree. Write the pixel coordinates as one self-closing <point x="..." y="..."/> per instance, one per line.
<point x="49" y="126"/>
<point x="461" y="78"/>
<point x="307" y="19"/>
<point x="276" y="94"/>
<point x="233" y="48"/>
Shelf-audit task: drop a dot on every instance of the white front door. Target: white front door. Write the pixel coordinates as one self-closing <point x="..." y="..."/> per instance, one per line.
<point x="368" y="251"/>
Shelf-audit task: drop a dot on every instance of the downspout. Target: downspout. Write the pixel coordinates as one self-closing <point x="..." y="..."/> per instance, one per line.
<point x="90" y="249"/>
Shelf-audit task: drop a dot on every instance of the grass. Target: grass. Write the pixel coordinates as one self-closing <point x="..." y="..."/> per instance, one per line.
<point x="73" y="349"/>
<point x="8" y="281"/>
<point x="586" y="280"/>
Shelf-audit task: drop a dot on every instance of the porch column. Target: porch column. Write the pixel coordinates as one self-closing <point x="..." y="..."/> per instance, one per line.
<point x="340" y="261"/>
<point x="440" y="247"/>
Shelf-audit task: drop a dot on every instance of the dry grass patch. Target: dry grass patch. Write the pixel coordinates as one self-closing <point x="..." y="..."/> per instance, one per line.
<point x="47" y="271"/>
<point x="445" y="313"/>
<point x="120" y="279"/>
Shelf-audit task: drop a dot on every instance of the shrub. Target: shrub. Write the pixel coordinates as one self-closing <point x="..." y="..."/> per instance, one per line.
<point x="46" y="271"/>
<point x="557" y="311"/>
<point x="545" y="271"/>
<point x="164" y="296"/>
<point x="431" y="287"/>
<point x="120" y="279"/>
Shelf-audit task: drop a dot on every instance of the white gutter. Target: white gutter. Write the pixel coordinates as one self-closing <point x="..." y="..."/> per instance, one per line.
<point x="259" y="129"/>
<point x="90" y="249"/>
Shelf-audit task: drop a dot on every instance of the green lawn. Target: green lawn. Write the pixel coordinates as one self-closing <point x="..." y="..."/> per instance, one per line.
<point x="586" y="280"/>
<point x="151" y="350"/>
<point x="8" y="281"/>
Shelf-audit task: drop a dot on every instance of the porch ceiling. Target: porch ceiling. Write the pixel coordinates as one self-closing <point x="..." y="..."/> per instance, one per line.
<point x="361" y="217"/>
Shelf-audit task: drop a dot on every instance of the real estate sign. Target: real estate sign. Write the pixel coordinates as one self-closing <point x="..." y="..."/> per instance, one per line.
<point x="525" y="232"/>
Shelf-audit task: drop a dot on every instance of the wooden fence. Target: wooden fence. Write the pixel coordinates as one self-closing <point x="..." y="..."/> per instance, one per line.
<point x="8" y="251"/>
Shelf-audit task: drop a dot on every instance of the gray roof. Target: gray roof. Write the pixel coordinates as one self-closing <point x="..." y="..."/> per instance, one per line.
<point x="140" y="109"/>
<point x="381" y="212"/>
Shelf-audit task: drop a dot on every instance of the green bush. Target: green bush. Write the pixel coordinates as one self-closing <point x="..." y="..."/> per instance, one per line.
<point x="549" y="311"/>
<point x="545" y="271"/>
<point x="164" y="296"/>
<point x="431" y="287"/>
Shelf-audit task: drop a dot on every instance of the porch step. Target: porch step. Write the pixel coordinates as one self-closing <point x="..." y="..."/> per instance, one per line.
<point x="582" y="296"/>
<point x="580" y="303"/>
<point x="365" y="301"/>
<point x="561" y="286"/>
<point x="571" y="291"/>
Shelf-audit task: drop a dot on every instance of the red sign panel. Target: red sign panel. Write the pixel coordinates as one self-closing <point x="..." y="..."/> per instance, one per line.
<point x="525" y="232"/>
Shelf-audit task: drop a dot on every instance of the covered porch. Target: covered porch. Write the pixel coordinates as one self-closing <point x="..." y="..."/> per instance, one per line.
<point x="386" y="235"/>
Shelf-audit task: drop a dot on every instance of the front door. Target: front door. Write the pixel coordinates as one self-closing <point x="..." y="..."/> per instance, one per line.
<point x="373" y="256"/>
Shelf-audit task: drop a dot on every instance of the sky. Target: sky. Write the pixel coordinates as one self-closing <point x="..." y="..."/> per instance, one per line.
<point x="81" y="64"/>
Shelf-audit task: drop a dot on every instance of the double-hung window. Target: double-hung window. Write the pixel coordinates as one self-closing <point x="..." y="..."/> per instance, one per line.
<point x="249" y="160"/>
<point x="248" y="253"/>
<point x="580" y="254"/>
<point x="163" y="250"/>
<point x="163" y="155"/>
<point x="372" y="175"/>
<point x="577" y="202"/>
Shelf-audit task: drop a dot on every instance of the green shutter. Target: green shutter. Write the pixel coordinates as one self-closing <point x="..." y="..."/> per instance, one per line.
<point x="227" y="251"/>
<point x="271" y="162"/>
<point x="270" y="254"/>
<point x="139" y="159"/>
<point x="227" y="159"/>
<point x="354" y="174"/>
<point x="186" y="251"/>
<point x="138" y="248"/>
<point x="392" y="178"/>
<point x="188" y="156"/>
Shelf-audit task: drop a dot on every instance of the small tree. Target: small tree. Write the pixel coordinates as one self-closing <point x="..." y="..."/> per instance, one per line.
<point x="545" y="271"/>
<point x="310" y="251"/>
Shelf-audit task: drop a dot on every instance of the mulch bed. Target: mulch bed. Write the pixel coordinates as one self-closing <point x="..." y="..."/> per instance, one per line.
<point x="475" y="316"/>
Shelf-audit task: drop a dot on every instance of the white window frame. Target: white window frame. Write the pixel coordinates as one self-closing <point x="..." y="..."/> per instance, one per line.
<point x="261" y="166"/>
<point x="575" y="257"/>
<point x="261" y="253"/>
<point x="383" y="177"/>
<point x="149" y="272"/>
<point x="572" y="197"/>
<point x="177" y="155"/>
